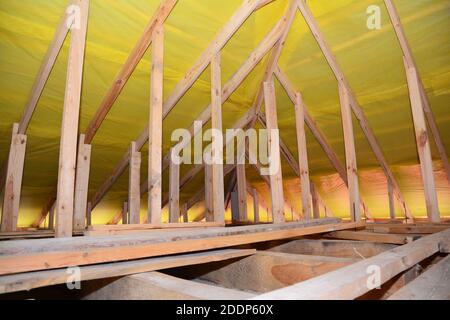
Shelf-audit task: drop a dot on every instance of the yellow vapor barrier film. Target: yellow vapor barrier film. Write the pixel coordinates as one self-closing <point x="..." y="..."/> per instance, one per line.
<point x="371" y="60"/>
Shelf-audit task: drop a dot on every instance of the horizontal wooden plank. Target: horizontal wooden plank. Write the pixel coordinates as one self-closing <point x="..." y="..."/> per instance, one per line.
<point x="372" y="237"/>
<point x="31" y="280"/>
<point x="42" y="254"/>
<point x="407" y="228"/>
<point x="351" y="282"/>
<point x="32" y="234"/>
<point x="122" y="227"/>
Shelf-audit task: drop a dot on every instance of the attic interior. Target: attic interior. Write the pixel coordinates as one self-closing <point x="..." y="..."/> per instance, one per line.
<point x="348" y="98"/>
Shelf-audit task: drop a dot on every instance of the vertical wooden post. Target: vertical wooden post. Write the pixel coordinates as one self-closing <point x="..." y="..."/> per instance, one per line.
<point x="242" y="192"/>
<point x="217" y="145"/>
<point x="69" y="128"/>
<point x="51" y="218"/>
<point x="81" y="184"/>
<point x="350" y="154"/>
<point x="255" y="206"/>
<point x="276" y="179"/>
<point x="89" y="214"/>
<point x="125" y="213"/>
<point x="174" y="190"/>
<point x="155" y="128"/>
<point x="209" y="210"/>
<point x="134" y="185"/>
<point x="302" y="156"/>
<point x="13" y="180"/>
<point x="391" y="200"/>
<point x="423" y="144"/>
<point x="184" y="213"/>
<point x="315" y="201"/>
<point x="234" y="206"/>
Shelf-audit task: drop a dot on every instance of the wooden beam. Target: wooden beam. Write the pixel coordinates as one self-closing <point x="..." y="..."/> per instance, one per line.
<point x="209" y="209"/>
<point x="44" y="72"/>
<point x="433" y="284"/>
<point x="405" y="229"/>
<point x="184" y="213"/>
<point x="217" y="144"/>
<point x="158" y="19"/>
<point x="407" y="53"/>
<point x="350" y="155"/>
<point x="276" y="179"/>
<point x="315" y="201"/>
<point x="89" y="214"/>
<point x="155" y="128"/>
<point x="32" y="280"/>
<point x="51" y="218"/>
<point x="69" y="127"/>
<point x="230" y="187"/>
<point x="234" y="207"/>
<point x="351" y="282"/>
<point x="256" y="217"/>
<point x="371" y="236"/>
<point x="143" y="227"/>
<point x="160" y="286"/>
<point x="263" y="3"/>
<point x="423" y="144"/>
<point x="241" y="192"/>
<point x="303" y="156"/>
<point x="125" y="219"/>
<point x="391" y="200"/>
<point x="249" y="64"/>
<point x="13" y="180"/>
<point x="81" y="184"/>
<point x="30" y="255"/>
<point x="356" y="108"/>
<point x="174" y="191"/>
<point x="134" y="186"/>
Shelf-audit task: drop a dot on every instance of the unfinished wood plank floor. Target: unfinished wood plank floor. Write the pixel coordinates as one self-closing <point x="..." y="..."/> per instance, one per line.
<point x="41" y="254"/>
